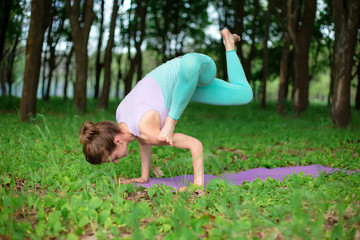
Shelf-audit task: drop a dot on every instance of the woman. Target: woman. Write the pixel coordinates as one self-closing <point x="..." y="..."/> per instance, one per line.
<point x="150" y="111"/>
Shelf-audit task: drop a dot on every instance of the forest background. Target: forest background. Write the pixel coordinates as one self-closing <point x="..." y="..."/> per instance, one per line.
<point x="297" y="51"/>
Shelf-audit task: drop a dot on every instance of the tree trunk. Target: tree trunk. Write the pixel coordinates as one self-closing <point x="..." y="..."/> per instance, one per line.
<point x="138" y="60"/>
<point x="98" y="64"/>
<point x="11" y="65"/>
<point x="331" y="87"/>
<point x="67" y="69"/>
<point x="357" y="98"/>
<point x="301" y="81"/>
<point x="265" y="71"/>
<point x="80" y="35"/>
<point x="51" y="63"/>
<point x="239" y="26"/>
<point x="49" y="43"/>
<point x="118" y="80"/>
<point x="2" y="78"/>
<point x="300" y="27"/>
<point x="104" y="99"/>
<point x="129" y="77"/>
<point x="140" y="14"/>
<point x="346" y="17"/>
<point x="55" y="32"/>
<point x="43" y="64"/>
<point x="39" y="21"/>
<point x="283" y="75"/>
<point x="6" y="8"/>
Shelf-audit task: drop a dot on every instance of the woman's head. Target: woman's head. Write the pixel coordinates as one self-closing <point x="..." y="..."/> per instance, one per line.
<point x="98" y="140"/>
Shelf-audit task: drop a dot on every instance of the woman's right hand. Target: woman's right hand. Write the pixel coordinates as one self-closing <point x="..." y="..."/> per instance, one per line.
<point x="134" y="180"/>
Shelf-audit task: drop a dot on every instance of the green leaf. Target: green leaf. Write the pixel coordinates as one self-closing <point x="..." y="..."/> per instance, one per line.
<point x="103" y="216"/>
<point x="108" y="223"/>
<point x="95" y="203"/>
<point x="6" y="179"/>
<point x="41" y="214"/>
<point x="151" y="192"/>
<point x="53" y="218"/>
<point x="49" y="201"/>
<point x="165" y="227"/>
<point x="71" y="236"/>
<point x="83" y="222"/>
<point x="130" y="188"/>
<point x="40" y="228"/>
<point x="65" y="212"/>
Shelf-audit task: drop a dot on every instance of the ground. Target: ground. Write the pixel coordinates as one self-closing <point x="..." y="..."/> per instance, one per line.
<point x="50" y="191"/>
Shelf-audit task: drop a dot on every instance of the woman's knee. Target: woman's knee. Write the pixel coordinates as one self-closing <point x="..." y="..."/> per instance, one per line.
<point x="190" y="66"/>
<point x="198" y="67"/>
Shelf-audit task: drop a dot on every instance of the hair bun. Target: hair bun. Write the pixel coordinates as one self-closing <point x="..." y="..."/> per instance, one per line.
<point x="87" y="132"/>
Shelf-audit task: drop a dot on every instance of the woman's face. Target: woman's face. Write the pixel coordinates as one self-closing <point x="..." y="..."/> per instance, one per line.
<point x="120" y="151"/>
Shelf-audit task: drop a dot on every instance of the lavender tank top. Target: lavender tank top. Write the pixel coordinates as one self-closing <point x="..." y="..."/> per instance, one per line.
<point x="146" y="96"/>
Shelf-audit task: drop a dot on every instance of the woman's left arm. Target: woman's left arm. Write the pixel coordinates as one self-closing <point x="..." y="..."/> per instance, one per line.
<point x="145" y="155"/>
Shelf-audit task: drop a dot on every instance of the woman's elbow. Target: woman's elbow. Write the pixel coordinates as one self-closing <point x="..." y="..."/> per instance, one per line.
<point x="196" y="148"/>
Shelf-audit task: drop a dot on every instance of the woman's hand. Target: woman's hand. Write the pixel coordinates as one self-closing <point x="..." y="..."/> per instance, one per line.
<point x="167" y="132"/>
<point x="135" y="180"/>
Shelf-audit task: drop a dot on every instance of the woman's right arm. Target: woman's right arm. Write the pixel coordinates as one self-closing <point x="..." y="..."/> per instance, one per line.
<point x="196" y="148"/>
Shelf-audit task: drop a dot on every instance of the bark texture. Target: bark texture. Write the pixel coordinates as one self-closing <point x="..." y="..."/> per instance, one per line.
<point x="39" y="21"/>
<point x="346" y="17"/>
<point x="265" y="70"/>
<point x="104" y="99"/>
<point x="98" y="63"/>
<point x="239" y="28"/>
<point x="6" y="7"/>
<point x="67" y="71"/>
<point x="300" y="27"/>
<point x="138" y="33"/>
<point x="357" y="98"/>
<point x="80" y="28"/>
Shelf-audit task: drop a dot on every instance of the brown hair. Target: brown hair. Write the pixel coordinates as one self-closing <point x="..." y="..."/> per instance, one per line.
<point x="97" y="139"/>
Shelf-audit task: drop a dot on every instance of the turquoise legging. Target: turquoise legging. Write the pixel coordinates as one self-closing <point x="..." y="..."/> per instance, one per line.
<point x="197" y="82"/>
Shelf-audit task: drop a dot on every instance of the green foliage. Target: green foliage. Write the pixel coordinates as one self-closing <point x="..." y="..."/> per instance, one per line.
<point x="48" y="190"/>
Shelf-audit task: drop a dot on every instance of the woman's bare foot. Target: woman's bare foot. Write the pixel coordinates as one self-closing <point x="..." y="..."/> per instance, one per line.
<point x="229" y="39"/>
<point x="166" y="133"/>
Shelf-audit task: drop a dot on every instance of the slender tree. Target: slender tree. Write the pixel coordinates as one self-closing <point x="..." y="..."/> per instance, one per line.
<point x="285" y="64"/>
<point x="55" y="31"/>
<point x="357" y="98"/>
<point x="39" y="21"/>
<point x="119" y="76"/>
<point x="11" y="60"/>
<point x="104" y="99"/>
<point x="239" y="11"/>
<point x="136" y="34"/>
<point x="171" y="22"/>
<point x="265" y="70"/>
<point x="98" y="63"/>
<point x="67" y="70"/>
<point x="346" y="17"/>
<point x="81" y="22"/>
<point x="4" y="20"/>
<point x="301" y="15"/>
<point x="11" y="31"/>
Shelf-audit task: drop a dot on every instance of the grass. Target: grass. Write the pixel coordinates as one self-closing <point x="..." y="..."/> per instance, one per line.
<point x="49" y="191"/>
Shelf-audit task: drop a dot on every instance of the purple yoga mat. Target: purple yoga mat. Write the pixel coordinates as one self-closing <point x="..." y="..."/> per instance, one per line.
<point x="238" y="178"/>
